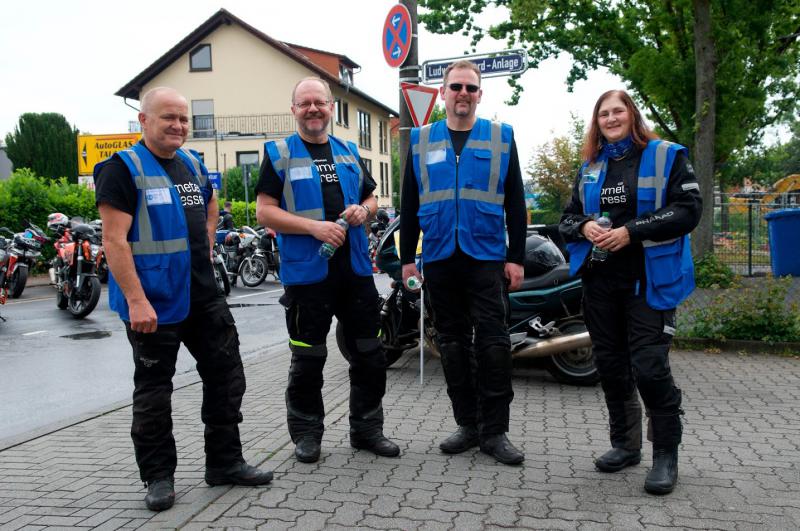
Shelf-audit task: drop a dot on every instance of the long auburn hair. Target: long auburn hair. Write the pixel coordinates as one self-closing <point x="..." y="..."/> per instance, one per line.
<point x="640" y="133"/>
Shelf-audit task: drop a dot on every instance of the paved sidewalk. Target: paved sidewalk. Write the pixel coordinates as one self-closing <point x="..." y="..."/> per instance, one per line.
<point x="739" y="465"/>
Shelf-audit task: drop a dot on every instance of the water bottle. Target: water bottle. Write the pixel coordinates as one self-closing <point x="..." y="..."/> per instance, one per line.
<point x="326" y="250"/>
<point x="598" y="254"/>
<point x="413" y="283"/>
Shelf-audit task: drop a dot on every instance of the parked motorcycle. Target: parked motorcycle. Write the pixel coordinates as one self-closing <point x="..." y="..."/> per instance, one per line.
<point x="73" y="270"/>
<point x="268" y="243"/>
<point x="220" y="271"/>
<point x="23" y="249"/>
<point x="244" y="256"/>
<point x="376" y="230"/>
<point x="101" y="264"/>
<point x="545" y="314"/>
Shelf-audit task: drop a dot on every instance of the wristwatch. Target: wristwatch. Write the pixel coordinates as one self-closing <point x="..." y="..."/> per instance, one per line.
<point x="366" y="207"/>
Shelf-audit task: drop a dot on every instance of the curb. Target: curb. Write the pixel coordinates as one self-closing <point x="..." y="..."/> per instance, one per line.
<point x="788" y="349"/>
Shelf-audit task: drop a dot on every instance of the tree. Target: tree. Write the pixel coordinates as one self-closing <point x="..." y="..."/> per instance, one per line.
<point x="711" y="73"/>
<point x="554" y="166"/>
<point x="46" y="144"/>
<point x="234" y="187"/>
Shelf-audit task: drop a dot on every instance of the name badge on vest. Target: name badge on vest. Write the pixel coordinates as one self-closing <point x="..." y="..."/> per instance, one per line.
<point x="592" y="173"/>
<point x="299" y="173"/>
<point x="158" y="196"/>
<point x="436" y="156"/>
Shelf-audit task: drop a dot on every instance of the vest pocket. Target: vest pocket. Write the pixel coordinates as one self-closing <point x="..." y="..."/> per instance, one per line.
<point x="646" y="200"/>
<point x="429" y="220"/>
<point x="482" y="165"/>
<point x="664" y="276"/>
<point x="488" y="219"/>
<point x="153" y="271"/>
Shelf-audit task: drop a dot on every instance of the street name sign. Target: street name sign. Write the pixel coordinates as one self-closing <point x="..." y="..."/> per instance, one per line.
<point x="507" y="63"/>
<point x="396" y="35"/>
<point x="420" y="101"/>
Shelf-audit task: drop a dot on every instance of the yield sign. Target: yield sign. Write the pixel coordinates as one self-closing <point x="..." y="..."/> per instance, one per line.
<point x="420" y="101"/>
<point x="396" y="36"/>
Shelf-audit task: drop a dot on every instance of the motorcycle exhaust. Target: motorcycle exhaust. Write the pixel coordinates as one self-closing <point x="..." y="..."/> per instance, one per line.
<point x="553" y="345"/>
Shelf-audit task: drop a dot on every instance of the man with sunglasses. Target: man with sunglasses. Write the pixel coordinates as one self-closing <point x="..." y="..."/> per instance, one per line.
<point x="461" y="177"/>
<point x="309" y="181"/>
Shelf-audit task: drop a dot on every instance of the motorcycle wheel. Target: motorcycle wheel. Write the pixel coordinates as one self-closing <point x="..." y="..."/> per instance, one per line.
<point x="82" y="303"/>
<point x="253" y="270"/>
<point x="18" y="281"/>
<point x="221" y="277"/>
<point x="574" y="367"/>
<point x="392" y="354"/>
<point x="276" y="257"/>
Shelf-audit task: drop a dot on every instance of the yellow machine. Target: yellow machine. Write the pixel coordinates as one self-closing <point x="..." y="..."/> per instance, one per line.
<point x="784" y="193"/>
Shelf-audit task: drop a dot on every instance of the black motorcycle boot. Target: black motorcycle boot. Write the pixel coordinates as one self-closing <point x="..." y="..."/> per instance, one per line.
<point x="499" y="447"/>
<point x="667" y="433"/>
<point x="616" y="459"/>
<point x="464" y="438"/>
<point x="664" y="475"/>
<point x="625" y="428"/>
<point x="307" y="449"/>
<point x="160" y="494"/>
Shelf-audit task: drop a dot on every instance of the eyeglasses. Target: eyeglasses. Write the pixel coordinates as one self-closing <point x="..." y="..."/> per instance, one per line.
<point x="456" y="87"/>
<point x="306" y="104"/>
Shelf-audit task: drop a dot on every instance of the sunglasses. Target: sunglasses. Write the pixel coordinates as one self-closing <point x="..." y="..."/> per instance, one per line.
<point x="456" y="87"/>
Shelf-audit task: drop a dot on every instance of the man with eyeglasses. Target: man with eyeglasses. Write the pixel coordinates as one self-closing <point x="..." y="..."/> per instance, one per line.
<point x="309" y="181"/>
<point x="462" y="175"/>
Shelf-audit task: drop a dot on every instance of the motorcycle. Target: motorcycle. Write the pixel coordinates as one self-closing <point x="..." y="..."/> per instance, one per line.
<point x="268" y="243"/>
<point x="244" y="256"/>
<point x="23" y="250"/>
<point x="220" y="271"/>
<point x="545" y="318"/>
<point x="101" y="264"/>
<point x="73" y="270"/>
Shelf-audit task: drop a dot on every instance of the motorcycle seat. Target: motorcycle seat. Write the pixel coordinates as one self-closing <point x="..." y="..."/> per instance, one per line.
<point x="554" y="277"/>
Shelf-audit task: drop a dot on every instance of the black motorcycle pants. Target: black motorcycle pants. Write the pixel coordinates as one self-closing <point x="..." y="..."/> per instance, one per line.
<point x="209" y="333"/>
<point x="469" y="302"/>
<point x="630" y="342"/>
<point x="354" y="301"/>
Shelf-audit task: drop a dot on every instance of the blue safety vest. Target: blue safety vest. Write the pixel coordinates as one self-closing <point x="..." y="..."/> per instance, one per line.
<point x="462" y="199"/>
<point x="302" y="196"/>
<point x="159" y="237"/>
<point x="668" y="264"/>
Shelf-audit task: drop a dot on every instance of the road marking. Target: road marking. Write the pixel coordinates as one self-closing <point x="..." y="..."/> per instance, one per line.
<point x="255" y="294"/>
<point x="35" y="333"/>
<point x="26" y="301"/>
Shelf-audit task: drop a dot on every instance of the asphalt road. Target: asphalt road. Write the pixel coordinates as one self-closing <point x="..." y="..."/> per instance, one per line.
<point x="55" y="369"/>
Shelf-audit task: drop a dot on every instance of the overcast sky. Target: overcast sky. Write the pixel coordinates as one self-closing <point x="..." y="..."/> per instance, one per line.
<point x="71" y="57"/>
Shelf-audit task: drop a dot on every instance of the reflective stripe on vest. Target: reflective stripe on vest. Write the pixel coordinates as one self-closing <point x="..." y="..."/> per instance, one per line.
<point x="495" y="145"/>
<point x="146" y="244"/>
<point x="303" y="165"/>
<point x="659" y="184"/>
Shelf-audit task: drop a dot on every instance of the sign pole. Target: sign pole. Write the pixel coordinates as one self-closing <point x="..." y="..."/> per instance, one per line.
<point x="408" y="73"/>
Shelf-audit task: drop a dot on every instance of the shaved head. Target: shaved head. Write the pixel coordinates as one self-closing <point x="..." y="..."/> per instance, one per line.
<point x="155" y="94"/>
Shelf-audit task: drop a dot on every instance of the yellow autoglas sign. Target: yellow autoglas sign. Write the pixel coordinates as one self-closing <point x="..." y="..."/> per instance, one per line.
<point x="94" y="148"/>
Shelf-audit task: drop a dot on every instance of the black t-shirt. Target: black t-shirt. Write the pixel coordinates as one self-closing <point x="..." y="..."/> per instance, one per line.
<point x="332" y="196"/>
<point x="115" y="187"/>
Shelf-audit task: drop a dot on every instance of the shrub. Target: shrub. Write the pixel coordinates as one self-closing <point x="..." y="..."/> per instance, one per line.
<point x="764" y="317"/>
<point x="711" y="272"/>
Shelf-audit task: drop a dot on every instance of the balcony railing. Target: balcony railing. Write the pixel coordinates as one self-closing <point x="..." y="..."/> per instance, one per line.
<point x="243" y="125"/>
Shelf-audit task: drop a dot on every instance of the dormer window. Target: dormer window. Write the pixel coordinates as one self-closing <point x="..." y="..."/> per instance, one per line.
<point x="345" y="74"/>
<point x="200" y="59"/>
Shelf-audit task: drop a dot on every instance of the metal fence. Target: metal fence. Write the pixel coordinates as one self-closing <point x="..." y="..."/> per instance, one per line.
<point x="741" y="239"/>
<point x="244" y="125"/>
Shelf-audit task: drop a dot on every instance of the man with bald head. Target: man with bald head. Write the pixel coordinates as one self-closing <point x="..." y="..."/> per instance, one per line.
<point x="307" y="182"/>
<point x="159" y="218"/>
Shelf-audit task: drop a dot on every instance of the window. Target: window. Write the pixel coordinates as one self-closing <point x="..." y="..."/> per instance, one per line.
<point x="200" y="59"/>
<point x="364" y="130"/>
<point x="384" y="184"/>
<point x="345" y="74"/>
<point x="202" y="118"/>
<point x="342" y="112"/>
<point x="368" y="164"/>
<point x="382" y="137"/>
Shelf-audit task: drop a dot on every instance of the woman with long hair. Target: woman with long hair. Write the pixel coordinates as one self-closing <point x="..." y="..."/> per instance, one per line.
<point x="634" y="273"/>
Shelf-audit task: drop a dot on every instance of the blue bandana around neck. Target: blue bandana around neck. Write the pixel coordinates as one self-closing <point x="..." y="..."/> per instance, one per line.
<point x="618" y="150"/>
